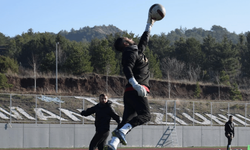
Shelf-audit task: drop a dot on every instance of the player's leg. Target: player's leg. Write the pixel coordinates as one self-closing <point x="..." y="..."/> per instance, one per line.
<point x="94" y="142"/>
<point x="103" y="140"/>
<point x="128" y="114"/>
<point x="141" y="107"/>
<point x="229" y="140"/>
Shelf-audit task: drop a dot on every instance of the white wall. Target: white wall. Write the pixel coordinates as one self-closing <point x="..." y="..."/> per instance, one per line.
<point x="78" y="135"/>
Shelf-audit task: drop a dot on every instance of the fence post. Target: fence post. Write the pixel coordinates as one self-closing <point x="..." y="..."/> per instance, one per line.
<point x="36" y="109"/>
<point x="83" y="109"/>
<point x="10" y="107"/>
<point x="211" y="104"/>
<point x="60" y="111"/>
<point x="245" y="114"/>
<point x="166" y="112"/>
<point x="175" y="113"/>
<point x="193" y="113"/>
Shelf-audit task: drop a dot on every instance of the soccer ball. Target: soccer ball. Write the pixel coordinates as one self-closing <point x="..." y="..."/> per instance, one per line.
<point x="157" y="12"/>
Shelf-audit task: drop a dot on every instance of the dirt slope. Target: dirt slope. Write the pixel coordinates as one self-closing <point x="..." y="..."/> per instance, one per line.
<point x="94" y="84"/>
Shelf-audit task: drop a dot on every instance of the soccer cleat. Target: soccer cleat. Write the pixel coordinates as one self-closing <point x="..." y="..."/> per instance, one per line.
<point x="120" y="135"/>
<point x="109" y="147"/>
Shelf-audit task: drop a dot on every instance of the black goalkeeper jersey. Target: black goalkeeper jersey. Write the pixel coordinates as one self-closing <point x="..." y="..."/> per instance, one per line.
<point x="135" y="63"/>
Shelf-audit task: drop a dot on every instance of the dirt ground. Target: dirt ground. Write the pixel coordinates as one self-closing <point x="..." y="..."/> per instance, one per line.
<point x="94" y="84"/>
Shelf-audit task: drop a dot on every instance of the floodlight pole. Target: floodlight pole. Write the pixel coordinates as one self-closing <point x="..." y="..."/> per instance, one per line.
<point x="57" y="68"/>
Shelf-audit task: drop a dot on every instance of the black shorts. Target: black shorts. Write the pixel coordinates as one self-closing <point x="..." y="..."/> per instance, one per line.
<point x="136" y="109"/>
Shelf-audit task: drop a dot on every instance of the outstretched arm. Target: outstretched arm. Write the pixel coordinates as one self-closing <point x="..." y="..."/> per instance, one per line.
<point x="88" y="111"/>
<point x="145" y="36"/>
<point x="150" y="22"/>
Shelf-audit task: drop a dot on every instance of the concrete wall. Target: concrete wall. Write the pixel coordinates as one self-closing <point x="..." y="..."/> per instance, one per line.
<point x="75" y="136"/>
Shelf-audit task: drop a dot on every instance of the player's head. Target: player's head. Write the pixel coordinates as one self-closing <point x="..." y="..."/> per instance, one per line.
<point x="123" y="42"/>
<point x="231" y="118"/>
<point x="103" y="98"/>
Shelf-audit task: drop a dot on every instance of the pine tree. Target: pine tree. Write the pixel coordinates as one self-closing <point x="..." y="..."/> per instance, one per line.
<point x="228" y="58"/>
<point x="7" y="63"/>
<point x="160" y="46"/>
<point x="103" y="57"/>
<point x="4" y="82"/>
<point x="224" y="78"/>
<point x="48" y="62"/>
<point x="154" y="64"/>
<point x="78" y="61"/>
<point x="235" y="93"/>
<point x="245" y="61"/>
<point x="209" y="49"/>
<point x="189" y="51"/>
<point x="197" y="92"/>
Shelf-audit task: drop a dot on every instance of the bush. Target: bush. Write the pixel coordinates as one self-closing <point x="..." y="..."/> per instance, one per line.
<point x="224" y="78"/>
<point x="3" y="82"/>
<point x="7" y="63"/>
<point x="197" y="92"/>
<point x="235" y="93"/>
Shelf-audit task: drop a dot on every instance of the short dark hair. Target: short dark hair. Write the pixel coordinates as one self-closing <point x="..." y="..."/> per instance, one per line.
<point x="102" y="95"/>
<point x="119" y="44"/>
<point x="230" y="116"/>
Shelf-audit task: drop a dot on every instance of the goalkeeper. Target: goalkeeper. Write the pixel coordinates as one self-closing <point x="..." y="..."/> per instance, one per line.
<point x="135" y="67"/>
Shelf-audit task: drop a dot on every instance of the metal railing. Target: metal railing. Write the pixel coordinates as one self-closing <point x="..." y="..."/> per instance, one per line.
<point x="51" y="109"/>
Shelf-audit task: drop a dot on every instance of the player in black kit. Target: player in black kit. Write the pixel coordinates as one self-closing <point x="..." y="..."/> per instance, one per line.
<point x="135" y="67"/>
<point x="229" y="132"/>
<point x="103" y="113"/>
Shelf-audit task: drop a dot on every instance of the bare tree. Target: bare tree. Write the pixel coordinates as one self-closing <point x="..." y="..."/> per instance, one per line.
<point x="172" y="68"/>
<point x="194" y="72"/>
<point x="35" y="65"/>
<point x="107" y="74"/>
<point x="217" y="79"/>
<point x="169" y="85"/>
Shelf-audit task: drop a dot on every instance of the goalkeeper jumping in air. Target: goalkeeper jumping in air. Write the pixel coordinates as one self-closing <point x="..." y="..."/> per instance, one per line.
<point x="135" y="67"/>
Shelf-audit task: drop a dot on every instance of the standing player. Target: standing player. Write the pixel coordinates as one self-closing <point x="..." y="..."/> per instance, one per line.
<point x="135" y="67"/>
<point x="103" y="113"/>
<point x="229" y="131"/>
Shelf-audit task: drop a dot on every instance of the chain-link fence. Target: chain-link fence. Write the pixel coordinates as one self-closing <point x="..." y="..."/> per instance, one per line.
<point x="49" y="109"/>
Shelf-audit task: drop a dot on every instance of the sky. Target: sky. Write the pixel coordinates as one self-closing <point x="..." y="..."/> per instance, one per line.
<point x="17" y="16"/>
